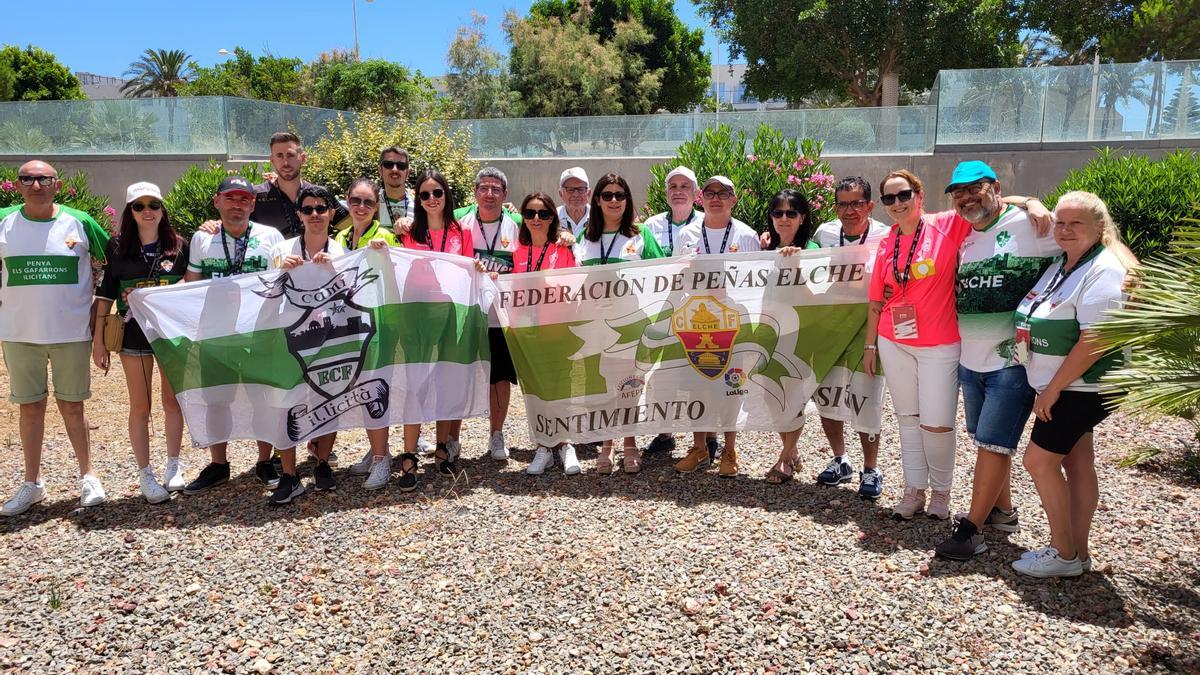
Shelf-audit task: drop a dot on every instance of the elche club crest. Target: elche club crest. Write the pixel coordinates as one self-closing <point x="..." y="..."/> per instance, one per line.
<point x="330" y="342"/>
<point x="707" y="330"/>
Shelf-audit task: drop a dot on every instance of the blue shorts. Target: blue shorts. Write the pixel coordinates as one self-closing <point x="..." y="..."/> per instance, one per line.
<point x="997" y="405"/>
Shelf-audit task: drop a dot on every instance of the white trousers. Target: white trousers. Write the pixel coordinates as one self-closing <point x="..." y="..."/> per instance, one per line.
<point x="923" y="383"/>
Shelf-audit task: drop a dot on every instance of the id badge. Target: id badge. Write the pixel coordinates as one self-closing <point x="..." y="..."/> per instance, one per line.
<point x="1021" y="344"/>
<point x="904" y="322"/>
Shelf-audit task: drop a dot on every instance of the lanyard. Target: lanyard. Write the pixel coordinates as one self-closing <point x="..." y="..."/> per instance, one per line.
<point x="491" y="247"/>
<point x="304" y="250"/>
<point x="671" y="230"/>
<point x="725" y="240"/>
<point x="354" y="242"/>
<point x="1059" y="279"/>
<point x="235" y="263"/>
<point x="545" y="247"/>
<point x="902" y="280"/>
<point x="396" y="209"/>
<point x="445" y="236"/>
<point x="604" y="255"/>
<point x="862" y="239"/>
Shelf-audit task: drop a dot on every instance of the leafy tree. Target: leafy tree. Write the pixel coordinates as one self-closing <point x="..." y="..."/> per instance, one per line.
<point x="266" y="78"/>
<point x="38" y="76"/>
<point x="673" y="48"/>
<point x="372" y="84"/>
<point x="8" y="80"/>
<point x="795" y="48"/>
<point x="1078" y="23"/>
<point x="158" y="72"/>
<point x="1162" y="30"/>
<point x="478" y="80"/>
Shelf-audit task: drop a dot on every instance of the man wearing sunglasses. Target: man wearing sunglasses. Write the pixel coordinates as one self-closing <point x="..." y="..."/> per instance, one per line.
<point x="396" y="199"/>
<point x="46" y="297"/>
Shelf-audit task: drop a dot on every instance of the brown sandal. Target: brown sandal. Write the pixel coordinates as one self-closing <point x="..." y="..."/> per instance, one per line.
<point x="632" y="462"/>
<point x="604" y="460"/>
<point x="777" y="477"/>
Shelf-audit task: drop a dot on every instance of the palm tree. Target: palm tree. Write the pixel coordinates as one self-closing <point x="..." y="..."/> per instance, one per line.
<point x="160" y="72"/>
<point x="1122" y="83"/>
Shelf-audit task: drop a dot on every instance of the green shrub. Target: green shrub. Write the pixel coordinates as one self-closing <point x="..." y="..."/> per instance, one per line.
<point x="774" y="163"/>
<point x="190" y="201"/>
<point x="350" y="150"/>
<point x="1148" y="198"/>
<point x="74" y="193"/>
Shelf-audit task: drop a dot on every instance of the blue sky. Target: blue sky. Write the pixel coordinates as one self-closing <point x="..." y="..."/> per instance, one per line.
<point x="103" y="38"/>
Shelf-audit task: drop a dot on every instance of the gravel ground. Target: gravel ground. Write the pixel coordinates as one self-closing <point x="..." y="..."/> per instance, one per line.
<point x="496" y="571"/>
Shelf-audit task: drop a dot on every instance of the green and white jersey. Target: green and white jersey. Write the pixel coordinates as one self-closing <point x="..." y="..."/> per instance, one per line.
<point x="996" y="268"/>
<point x="615" y="247"/>
<point x="829" y="235"/>
<point x="1084" y="298"/>
<point x="696" y="238"/>
<point x="46" y="284"/>
<point x="495" y="242"/>
<point x="208" y="251"/>
<point x="666" y="231"/>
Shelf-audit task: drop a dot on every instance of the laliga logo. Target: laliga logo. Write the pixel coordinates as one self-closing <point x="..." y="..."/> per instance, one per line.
<point x="707" y="330"/>
<point x="330" y="342"/>
<point x="734" y="379"/>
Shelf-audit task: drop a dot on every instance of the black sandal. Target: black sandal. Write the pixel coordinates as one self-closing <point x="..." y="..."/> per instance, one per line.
<point x="408" y="472"/>
<point x="445" y="463"/>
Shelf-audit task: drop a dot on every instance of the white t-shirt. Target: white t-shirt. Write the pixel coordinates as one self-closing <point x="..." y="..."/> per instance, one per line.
<point x="293" y="247"/>
<point x="829" y="235"/>
<point x="696" y="238"/>
<point x="208" y="251"/>
<point x="1083" y="299"/>
<point x="46" y="286"/>
<point x="494" y="242"/>
<point x="575" y="228"/>
<point x="996" y="268"/>
<point x="666" y="231"/>
<point x="615" y="247"/>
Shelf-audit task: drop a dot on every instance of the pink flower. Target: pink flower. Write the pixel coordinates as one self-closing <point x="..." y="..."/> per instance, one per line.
<point x="7" y="186"/>
<point x="797" y="165"/>
<point x="71" y="191"/>
<point x="110" y="210"/>
<point x="751" y="158"/>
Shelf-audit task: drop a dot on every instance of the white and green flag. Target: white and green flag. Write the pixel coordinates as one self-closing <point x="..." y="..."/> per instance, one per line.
<point x="376" y="338"/>
<point x="694" y="343"/>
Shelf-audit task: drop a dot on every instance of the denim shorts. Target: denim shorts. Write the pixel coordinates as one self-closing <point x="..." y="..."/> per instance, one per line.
<point x="997" y="405"/>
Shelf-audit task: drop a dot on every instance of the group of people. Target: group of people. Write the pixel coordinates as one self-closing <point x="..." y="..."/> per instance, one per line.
<point x="994" y="297"/>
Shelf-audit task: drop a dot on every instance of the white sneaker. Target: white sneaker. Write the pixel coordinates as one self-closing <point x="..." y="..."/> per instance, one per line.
<point x="381" y="472"/>
<point x="542" y="459"/>
<point x="364" y="465"/>
<point x="91" y="492"/>
<point x="173" y="476"/>
<point x="496" y="446"/>
<point x="151" y="490"/>
<point x="425" y="448"/>
<point x="27" y="495"/>
<point x="1086" y="563"/>
<point x="1047" y="563"/>
<point x="569" y="460"/>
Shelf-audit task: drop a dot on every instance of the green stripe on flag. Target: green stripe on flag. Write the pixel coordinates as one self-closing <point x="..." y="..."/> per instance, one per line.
<point x="542" y="356"/>
<point x="333" y="350"/>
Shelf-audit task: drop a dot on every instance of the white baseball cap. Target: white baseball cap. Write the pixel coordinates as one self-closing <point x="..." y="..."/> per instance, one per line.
<point x="681" y="171"/>
<point x="143" y="189"/>
<point x="574" y="172"/>
<point x="723" y="180"/>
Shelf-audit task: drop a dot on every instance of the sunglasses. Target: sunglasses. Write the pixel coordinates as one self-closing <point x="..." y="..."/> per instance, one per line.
<point x="782" y="213"/>
<point x="138" y="207"/>
<point x="903" y="196"/>
<point x="613" y="196"/>
<point x="309" y="210"/>
<point x="398" y="166"/>
<point x="44" y="181"/>
<point x="360" y="201"/>
<point x="436" y="193"/>
<point x="542" y="214"/>
<point x="856" y="204"/>
<point x="723" y="194"/>
<point x="972" y="189"/>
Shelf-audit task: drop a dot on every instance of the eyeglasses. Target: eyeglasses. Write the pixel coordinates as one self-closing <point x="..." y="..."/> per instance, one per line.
<point x="44" y="181"/>
<point x="540" y="214"/>
<point x="972" y="189"/>
<point x="856" y="204"/>
<point x="309" y="210"/>
<point x="788" y="213"/>
<point x="363" y="202"/>
<point x="489" y="189"/>
<point x="575" y="190"/>
<point x="436" y="193"/>
<point x="903" y="196"/>
<point x="613" y="196"/>
<point x="138" y="207"/>
<point x="398" y="166"/>
<point x="723" y="194"/>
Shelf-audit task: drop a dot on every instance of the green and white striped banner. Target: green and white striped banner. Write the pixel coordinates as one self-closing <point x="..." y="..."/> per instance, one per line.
<point x="374" y="339"/>
<point x="693" y="343"/>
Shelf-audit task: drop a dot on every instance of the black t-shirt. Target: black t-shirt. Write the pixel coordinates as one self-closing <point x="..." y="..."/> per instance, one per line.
<point x="122" y="274"/>
<point x="273" y="208"/>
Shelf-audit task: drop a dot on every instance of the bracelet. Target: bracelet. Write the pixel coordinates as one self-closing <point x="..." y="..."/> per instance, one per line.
<point x="870" y="347"/>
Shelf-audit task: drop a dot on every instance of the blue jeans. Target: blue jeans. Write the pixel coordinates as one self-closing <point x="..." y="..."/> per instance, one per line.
<point x="997" y="405"/>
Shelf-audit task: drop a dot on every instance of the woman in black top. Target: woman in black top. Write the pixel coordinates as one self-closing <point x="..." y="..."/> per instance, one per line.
<point x="146" y="252"/>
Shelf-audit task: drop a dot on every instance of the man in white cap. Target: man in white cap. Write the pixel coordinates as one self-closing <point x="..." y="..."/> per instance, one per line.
<point x="576" y="193"/>
<point x="682" y="191"/>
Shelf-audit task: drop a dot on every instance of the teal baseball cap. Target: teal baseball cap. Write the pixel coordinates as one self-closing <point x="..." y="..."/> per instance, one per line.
<point x="969" y="172"/>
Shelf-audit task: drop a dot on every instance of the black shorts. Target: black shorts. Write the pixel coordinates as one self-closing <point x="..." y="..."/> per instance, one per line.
<point x="502" y="365"/>
<point x="1074" y="414"/>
